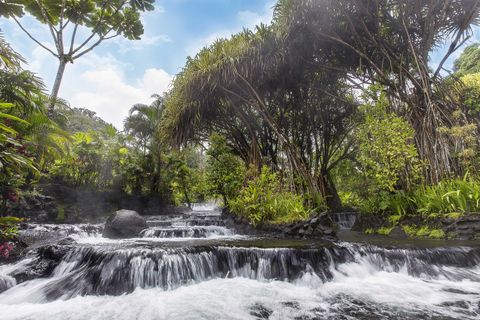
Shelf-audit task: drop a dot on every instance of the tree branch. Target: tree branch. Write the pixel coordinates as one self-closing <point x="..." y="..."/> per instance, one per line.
<point x="52" y="28"/>
<point x="97" y="25"/>
<point x="455" y="44"/>
<point x="72" y="42"/>
<point x="31" y="37"/>
<point x="100" y="40"/>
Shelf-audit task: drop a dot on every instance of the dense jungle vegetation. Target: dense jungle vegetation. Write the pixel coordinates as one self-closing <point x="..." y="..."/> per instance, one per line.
<point x="336" y="104"/>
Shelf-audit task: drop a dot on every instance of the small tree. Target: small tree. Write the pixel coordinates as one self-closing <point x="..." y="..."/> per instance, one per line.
<point x="106" y="19"/>
<point x="469" y="60"/>
<point x="224" y="171"/>
<point x="386" y="147"/>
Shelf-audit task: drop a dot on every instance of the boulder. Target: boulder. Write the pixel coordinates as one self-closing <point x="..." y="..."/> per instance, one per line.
<point x="398" y="233"/>
<point x="124" y="224"/>
<point x="6" y="282"/>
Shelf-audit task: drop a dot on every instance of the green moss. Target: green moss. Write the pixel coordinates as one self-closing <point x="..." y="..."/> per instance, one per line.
<point x="61" y="213"/>
<point x="454" y="215"/>
<point x="437" y="234"/>
<point x="384" y="230"/>
<point x="433" y="216"/>
<point x="394" y="219"/>
<point x="423" y="232"/>
<point x="411" y="231"/>
<point x="369" y="231"/>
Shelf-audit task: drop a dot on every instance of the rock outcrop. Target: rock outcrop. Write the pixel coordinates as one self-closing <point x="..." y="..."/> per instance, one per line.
<point x="319" y="225"/>
<point x="124" y="224"/>
<point x="466" y="227"/>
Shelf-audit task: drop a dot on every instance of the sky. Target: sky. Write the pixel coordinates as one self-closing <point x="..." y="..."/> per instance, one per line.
<point x="120" y="73"/>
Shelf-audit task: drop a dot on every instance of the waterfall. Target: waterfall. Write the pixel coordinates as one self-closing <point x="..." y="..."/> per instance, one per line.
<point x="191" y="266"/>
<point x="345" y="220"/>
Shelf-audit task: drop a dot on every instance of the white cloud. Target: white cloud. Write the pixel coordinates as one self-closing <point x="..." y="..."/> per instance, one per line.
<point x="250" y="19"/>
<point x="106" y="91"/>
<point x="126" y="45"/>
<point x="99" y="83"/>
<point x="245" y="19"/>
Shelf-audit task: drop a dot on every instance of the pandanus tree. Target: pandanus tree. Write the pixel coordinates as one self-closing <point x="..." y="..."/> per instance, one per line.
<point x="268" y="104"/>
<point x="388" y="42"/>
<point x="65" y="19"/>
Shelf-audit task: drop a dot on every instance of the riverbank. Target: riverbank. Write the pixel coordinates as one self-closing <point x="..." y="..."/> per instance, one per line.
<point x="454" y="226"/>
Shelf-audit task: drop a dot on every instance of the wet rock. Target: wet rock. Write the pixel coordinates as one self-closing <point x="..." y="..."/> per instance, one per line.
<point x="6" y="282"/>
<point x="292" y="304"/>
<point x="47" y="259"/>
<point x="124" y="224"/>
<point x="40" y="268"/>
<point x="260" y="311"/>
<point x="398" y="233"/>
<point x="42" y="217"/>
<point x="328" y="231"/>
<point x="68" y="241"/>
<point x="52" y="252"/>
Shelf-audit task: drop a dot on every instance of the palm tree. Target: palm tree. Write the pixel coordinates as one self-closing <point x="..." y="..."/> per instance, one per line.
<point x="143" y="121"/>
<point x="143" y="125"/>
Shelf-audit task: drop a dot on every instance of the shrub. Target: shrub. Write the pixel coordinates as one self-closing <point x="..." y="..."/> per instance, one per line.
<point x="386" y="148"/>
<point x="224" y="171"/>
<point x="8" y="227"/>
<point x="451" y="197"/>
<point x="264" y="199"/>
<point x="448" y="196"/>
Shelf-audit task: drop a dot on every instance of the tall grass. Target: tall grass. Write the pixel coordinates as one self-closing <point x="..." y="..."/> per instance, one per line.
<point x="448" y="196"/>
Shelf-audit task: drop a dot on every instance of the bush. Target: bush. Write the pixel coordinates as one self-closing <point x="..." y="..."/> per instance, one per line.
<point x="386" y="148"/>
<point x="451" y="196"/>
<point x="264" y="199"/>
<point x="8" y="228"/>
<point x="224" y="171"/>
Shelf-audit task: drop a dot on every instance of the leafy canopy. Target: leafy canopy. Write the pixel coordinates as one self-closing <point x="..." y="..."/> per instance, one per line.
<point x="120" y="16"/>
<point x="469" y="60"/>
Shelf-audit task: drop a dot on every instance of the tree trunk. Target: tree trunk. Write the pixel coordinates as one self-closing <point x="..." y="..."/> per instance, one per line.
<point x="187" y="198"/>
<point x="56" y="85"/>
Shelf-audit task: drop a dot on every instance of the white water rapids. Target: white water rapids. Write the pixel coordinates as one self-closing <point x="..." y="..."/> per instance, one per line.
<point x="221" y="277"/>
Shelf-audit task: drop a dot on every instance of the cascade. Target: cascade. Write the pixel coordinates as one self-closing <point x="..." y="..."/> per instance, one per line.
<point x="192" y="266"/>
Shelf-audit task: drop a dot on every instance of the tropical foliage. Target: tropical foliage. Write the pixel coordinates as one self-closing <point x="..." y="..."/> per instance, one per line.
<point x="332" y="104"/>
<point x="264" y="198"/>
<point x="224" y="170"/>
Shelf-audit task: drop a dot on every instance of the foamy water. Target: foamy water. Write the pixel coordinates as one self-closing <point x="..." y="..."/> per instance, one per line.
<point x="193" y="267"/>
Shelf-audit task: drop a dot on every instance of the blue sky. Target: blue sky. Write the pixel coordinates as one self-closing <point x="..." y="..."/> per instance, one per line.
<point x="120" y="73"/>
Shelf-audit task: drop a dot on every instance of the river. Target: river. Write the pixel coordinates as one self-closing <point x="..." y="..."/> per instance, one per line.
<point x="191" y="266"/>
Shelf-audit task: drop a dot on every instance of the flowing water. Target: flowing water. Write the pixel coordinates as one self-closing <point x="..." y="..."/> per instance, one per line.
<point x="191" y="266"/>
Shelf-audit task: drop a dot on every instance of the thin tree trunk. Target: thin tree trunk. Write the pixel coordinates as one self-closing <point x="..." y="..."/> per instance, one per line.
<point x="187" y="198"/>
<point x="56" y="85"/>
